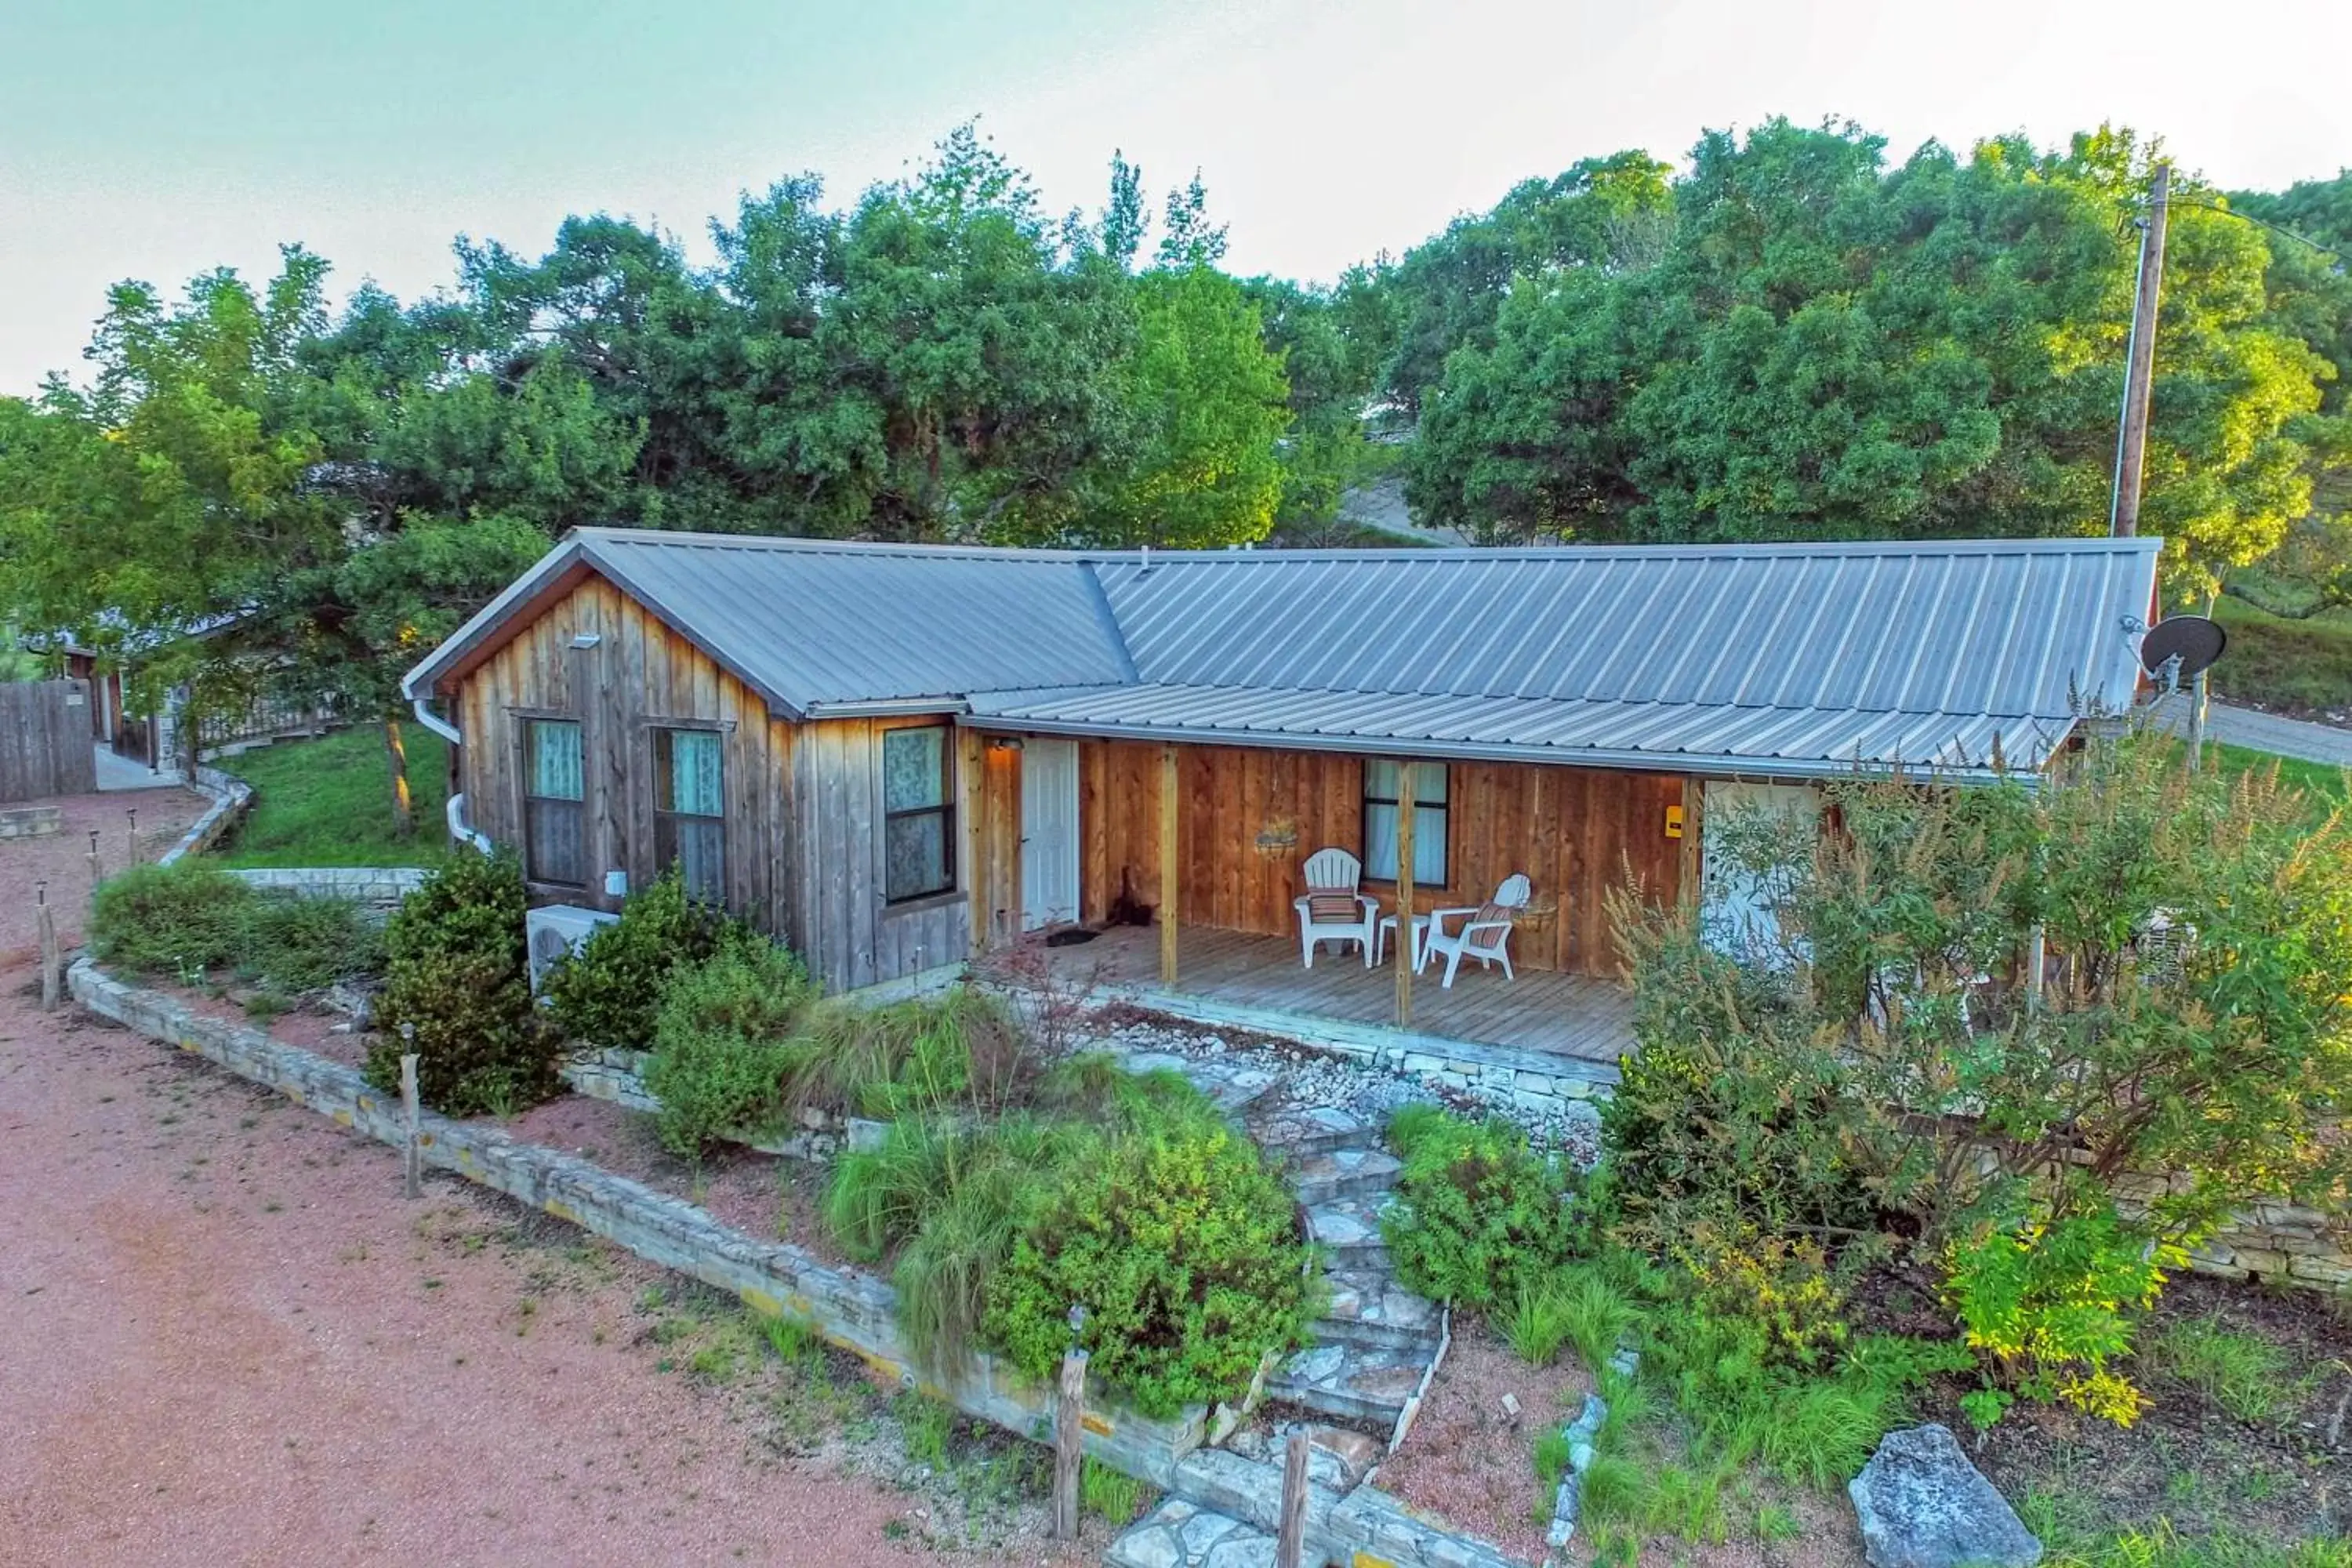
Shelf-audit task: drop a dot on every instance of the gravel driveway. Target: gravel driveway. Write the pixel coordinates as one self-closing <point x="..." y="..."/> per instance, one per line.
<point x="226" y="1338"/>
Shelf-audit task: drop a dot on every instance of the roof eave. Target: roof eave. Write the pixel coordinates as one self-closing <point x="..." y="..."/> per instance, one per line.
<point x="1719" y="765"/>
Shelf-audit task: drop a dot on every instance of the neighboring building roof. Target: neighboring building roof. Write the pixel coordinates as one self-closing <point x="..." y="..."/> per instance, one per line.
<point x="1799" y="659"/>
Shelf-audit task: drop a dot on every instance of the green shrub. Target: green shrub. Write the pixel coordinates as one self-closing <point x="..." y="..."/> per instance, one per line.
<point x="187" y="919"/>
<point x="609" y="992"/>
<point x="1477" y="1212"/>
<point x="724" y="1044"/>
<point x="1181" y="1245"/>
<point x="306" y="945"/>
<point x="2049" y="1303"/>
<point x="174" y="921"/>
<point x="456" y="970"/>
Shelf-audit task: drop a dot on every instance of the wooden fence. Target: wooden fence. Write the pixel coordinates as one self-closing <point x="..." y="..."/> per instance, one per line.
<point x="45" y="740"/>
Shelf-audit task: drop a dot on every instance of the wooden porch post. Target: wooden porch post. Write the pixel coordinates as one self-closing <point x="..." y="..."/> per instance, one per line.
<point x="978" y="883"/>
<point x="1404" y="944"/>
<point x="1171" y="881"/>
<point x="1693" y="804"/>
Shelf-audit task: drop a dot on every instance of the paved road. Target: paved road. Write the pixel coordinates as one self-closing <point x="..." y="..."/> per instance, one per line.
<point x="2264" y="731"/>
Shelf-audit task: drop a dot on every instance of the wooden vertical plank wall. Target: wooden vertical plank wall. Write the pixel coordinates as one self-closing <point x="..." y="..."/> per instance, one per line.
<point x="1248" y="817"/>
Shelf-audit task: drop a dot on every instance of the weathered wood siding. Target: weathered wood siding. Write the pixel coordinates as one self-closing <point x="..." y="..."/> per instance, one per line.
<point x="639" y="677"/>
<point x="852" y="935"/>
<point x="804" y="801"/>
<point x="1251" y="815"/>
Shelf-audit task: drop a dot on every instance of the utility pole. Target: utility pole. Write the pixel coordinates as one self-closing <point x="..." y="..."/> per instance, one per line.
<point x="2139" y="369"/>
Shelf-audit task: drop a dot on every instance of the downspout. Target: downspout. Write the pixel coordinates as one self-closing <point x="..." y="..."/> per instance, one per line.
<point x="459" y="829"/>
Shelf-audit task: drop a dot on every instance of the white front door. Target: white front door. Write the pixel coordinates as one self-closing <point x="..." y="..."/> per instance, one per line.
<point x="1049" y="833"/>
<point x="1736" y="902"/>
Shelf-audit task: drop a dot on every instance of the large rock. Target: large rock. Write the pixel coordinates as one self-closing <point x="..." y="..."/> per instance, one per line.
<point x="1923" y="1505"/>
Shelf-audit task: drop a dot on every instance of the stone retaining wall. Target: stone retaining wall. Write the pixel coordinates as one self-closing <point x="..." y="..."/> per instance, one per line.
<point x="2270" y="1240"/>
<point x="230" y="799"/>
<point x="31" y="821"/>
<point x="618" y="1076"/>
<point x="378" y="887"/>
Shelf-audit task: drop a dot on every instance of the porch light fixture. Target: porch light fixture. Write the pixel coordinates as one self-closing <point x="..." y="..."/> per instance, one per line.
<point x="1005" y="743"/>
<point x="585" y="639"/>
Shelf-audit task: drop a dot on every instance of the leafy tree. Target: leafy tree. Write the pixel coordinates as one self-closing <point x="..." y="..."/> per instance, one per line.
<point x="1823" y="348"/>
<point x="1206" y="401"/>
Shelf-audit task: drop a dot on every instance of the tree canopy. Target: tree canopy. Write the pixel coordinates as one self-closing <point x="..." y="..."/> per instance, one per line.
<point x="1792" y="337"/>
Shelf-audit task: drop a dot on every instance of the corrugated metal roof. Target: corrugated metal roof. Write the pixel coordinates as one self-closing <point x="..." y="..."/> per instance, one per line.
<point x="811" y="625"/>
<point x="1792" y="659"/>
<point x="2000" y="628"/>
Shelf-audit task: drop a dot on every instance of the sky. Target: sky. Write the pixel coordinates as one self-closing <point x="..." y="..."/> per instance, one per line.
<point x="155" y="139"/>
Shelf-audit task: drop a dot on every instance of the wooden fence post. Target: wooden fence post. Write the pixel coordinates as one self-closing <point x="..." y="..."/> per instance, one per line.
<point x="1069" y="1437"/>
<point x="49" y="957"/>
<point x="414" y="1156"/>
<point x="1290" y="1541"/>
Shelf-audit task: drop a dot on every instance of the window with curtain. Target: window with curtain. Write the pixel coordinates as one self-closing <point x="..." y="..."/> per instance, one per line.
<point x="691" y="810"/>
<point x="554" y="809"/>
<point x="918" y="813"/>
<point x="1429" y="821"/>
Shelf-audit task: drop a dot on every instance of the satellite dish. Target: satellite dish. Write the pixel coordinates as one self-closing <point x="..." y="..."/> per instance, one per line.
<point x="2195" y="641"/>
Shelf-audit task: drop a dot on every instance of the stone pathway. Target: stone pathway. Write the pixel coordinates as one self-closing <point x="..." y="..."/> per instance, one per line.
<point x="1178" y="1535"/>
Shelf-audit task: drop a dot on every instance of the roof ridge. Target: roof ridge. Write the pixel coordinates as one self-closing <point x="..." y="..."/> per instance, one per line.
<point x="2083" y="544"/>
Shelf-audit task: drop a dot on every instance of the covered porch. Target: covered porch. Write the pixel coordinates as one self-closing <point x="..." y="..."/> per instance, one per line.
<point x="1236" y="980"/>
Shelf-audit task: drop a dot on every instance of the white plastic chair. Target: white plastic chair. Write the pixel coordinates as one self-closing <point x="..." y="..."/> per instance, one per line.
<point x="1485" y="934"/>
<point x="1331" y="909"/>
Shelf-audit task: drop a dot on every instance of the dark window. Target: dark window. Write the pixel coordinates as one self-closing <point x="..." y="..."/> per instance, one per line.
<point x="1429" y="822"/>
<point x="918" y="813"/>
<point x="554" y="814"/>
<point x="691" y="810"/>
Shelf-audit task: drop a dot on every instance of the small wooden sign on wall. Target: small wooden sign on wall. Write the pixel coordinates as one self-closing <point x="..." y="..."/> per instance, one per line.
<point x="1275" y="838"/>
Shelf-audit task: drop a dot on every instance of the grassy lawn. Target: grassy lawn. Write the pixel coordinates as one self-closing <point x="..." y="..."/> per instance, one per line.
<point x="328" y="801"/>
<point x="2301" y="666"/>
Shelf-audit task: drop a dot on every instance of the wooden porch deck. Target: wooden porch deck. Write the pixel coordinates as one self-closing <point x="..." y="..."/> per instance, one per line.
<point x="1558" y="1014"/>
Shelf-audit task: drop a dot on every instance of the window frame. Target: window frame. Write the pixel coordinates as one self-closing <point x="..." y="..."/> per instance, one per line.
<point x="1443" y="808"/>
<point x="664" y="818"/>
<point x="945" y="811"/>
<point x="532" y="798"/>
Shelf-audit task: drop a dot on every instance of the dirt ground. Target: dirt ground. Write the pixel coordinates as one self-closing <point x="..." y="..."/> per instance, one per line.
<point x="62" y="860"/>
<point x="228" y="1339"/>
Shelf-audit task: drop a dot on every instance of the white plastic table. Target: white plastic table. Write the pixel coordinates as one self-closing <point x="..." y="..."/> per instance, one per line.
<point x="1388" y="928"/>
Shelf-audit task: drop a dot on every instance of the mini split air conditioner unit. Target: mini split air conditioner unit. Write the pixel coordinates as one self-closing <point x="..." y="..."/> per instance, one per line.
<point x="558" y="929"/>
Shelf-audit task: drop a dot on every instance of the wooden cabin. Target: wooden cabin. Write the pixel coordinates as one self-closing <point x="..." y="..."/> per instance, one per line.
<point x="894" y="757"/>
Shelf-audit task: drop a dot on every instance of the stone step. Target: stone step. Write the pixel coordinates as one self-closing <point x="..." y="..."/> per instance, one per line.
<point x="1344" y="1173"/>
<point x="1347" y="1230"/>
<point x="1230" y="1086"/>
<point x="1178" y="1534"/>
<point x="1355" y="1383"/>
<point x="1314" y="1130"/>
<point x="1370" y="1308"/>
<point x="1338" y="1458"/>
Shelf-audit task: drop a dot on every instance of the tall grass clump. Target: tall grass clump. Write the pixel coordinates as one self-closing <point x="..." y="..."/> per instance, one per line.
<point x="727" y="1042"/>
<point x="950" y="1200"/>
